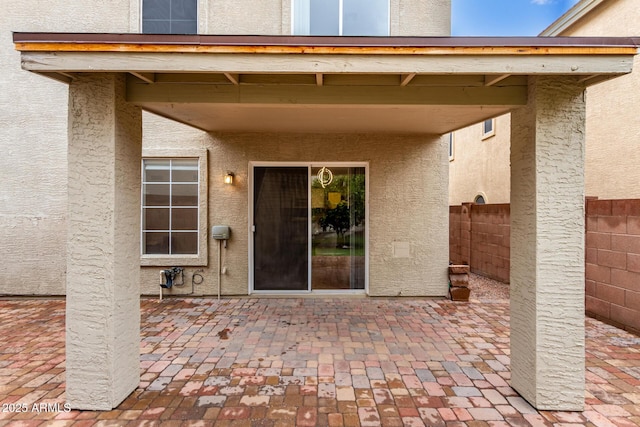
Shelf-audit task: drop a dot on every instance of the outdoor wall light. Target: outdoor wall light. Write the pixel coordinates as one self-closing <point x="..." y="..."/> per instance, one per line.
<point x="228" y="178"/>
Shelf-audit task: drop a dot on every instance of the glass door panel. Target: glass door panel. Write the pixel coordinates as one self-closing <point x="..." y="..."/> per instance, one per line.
<point x="281" y="234"/>
<point x="338" y="228"/>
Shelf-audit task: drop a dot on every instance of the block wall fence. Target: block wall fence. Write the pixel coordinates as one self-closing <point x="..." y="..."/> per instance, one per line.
<point x="479" y="235"/>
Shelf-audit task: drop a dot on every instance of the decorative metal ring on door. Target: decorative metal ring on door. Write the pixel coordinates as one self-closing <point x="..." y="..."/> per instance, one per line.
<point x="325" y="176"/>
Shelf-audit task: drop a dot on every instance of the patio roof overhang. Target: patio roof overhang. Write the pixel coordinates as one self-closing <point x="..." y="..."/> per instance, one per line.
<point x="325" y="84"/>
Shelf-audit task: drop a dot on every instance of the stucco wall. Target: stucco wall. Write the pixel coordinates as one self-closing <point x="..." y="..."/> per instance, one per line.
<point x="471" y="173"/>
<point x="273" y="17"/>
<point x="612" y="128"/>
<point x="407" y="17"/>
<point x="248" y="17"/>
<point x="33" y="123"/>
<point x="407" y="202"/>
<point x="33" y="142"/>
<point x="613" y="124"/>
<point x="420" y="17"/>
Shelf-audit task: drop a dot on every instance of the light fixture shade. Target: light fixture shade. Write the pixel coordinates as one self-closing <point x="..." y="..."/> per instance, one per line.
<point x="228" y="178"/>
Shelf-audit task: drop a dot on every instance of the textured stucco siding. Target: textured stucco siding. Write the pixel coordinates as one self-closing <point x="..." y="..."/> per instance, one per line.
<point x="406" y="17"/>
<point x="547" y="245"/>
<point x="613" y="123"/>
<point x="407" y="203"/>
<point x="33" y="126"/>
<point x="264" y="17"/>
<point x="102" y="311"/>
<point x="273" y="17"/>
<point x="420" y="17"/>
<point x="481" y="166"/>
<point x="33" y="142"/>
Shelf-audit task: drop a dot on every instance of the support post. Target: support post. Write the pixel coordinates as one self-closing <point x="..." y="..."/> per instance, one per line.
<point x="547" y="245"/>
<point x="103" y="268"/>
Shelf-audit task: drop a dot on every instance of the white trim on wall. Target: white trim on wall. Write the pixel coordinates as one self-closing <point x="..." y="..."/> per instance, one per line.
<point x="574" y="14"/>
<point x="202" y="257"/>
<point x="488" y="133"/>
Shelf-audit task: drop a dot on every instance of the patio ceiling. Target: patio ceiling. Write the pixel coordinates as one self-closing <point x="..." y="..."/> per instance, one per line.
<point x="325" y="84"/>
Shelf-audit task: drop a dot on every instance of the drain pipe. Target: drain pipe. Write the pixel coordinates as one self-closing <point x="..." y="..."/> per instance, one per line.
<point x="219" y="267"/>
<point x="161" y="282"/>
<point x="220" y="233"/>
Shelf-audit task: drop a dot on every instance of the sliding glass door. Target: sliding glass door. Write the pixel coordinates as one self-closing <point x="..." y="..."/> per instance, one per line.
<point x="309" y="228"/>
<point x="280" y="230"/>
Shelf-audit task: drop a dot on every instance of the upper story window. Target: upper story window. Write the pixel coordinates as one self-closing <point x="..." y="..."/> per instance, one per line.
<point x="170" y="16"/>
<point x="341" y="17"/>
<point x="452" y="150"/>
<point x="488" y="128"/>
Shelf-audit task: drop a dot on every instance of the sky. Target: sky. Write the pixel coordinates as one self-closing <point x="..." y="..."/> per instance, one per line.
<point x="505" y="17"/>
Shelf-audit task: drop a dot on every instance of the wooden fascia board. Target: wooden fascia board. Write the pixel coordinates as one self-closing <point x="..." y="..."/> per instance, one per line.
<point x="326" y="95"/>
<point x="324" y="50"/>
<point x="327" y="64"/>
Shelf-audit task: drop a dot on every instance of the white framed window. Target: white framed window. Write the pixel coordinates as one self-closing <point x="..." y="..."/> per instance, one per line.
<point x="488" y="128"/>
<point x="169" y="16"/>
<point x="480" y="199"/>
<point x="173" y="209"/>
<point x="341" y="17"/>
<point x="452" y="147"/>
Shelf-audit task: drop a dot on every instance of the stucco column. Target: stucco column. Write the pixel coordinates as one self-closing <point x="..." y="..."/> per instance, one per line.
<point x="547" y="245"/>
<point x="103" y="297"/>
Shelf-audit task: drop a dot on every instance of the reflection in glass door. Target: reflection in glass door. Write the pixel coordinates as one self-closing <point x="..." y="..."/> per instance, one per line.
<point x="338" y="228"/>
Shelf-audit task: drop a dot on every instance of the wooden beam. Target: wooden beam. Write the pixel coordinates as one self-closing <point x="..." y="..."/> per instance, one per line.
<point x="59" y="76"/>
<point x="595" y="79"/>
<point x="406" y="78"/>
<point x="278" y="79"/>
<point x="490" y="80"/>
<point x="233" y="78"/>
<point x="194" y="78"/>
<point x="326" y="95"/>
<point x="319" y="79"/>
<point x="145" y="77"/>
<point x="349" y="79"/>
<point x="587" y="78"/>
<point x="448" y="80"/>
<point x="326" y="64"/>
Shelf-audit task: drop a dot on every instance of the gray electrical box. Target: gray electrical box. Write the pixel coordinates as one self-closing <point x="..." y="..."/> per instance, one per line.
<point x="220" y="232"/>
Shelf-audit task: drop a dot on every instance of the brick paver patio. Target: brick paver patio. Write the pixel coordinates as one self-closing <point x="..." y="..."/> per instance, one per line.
<point x="311" y="362"/>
